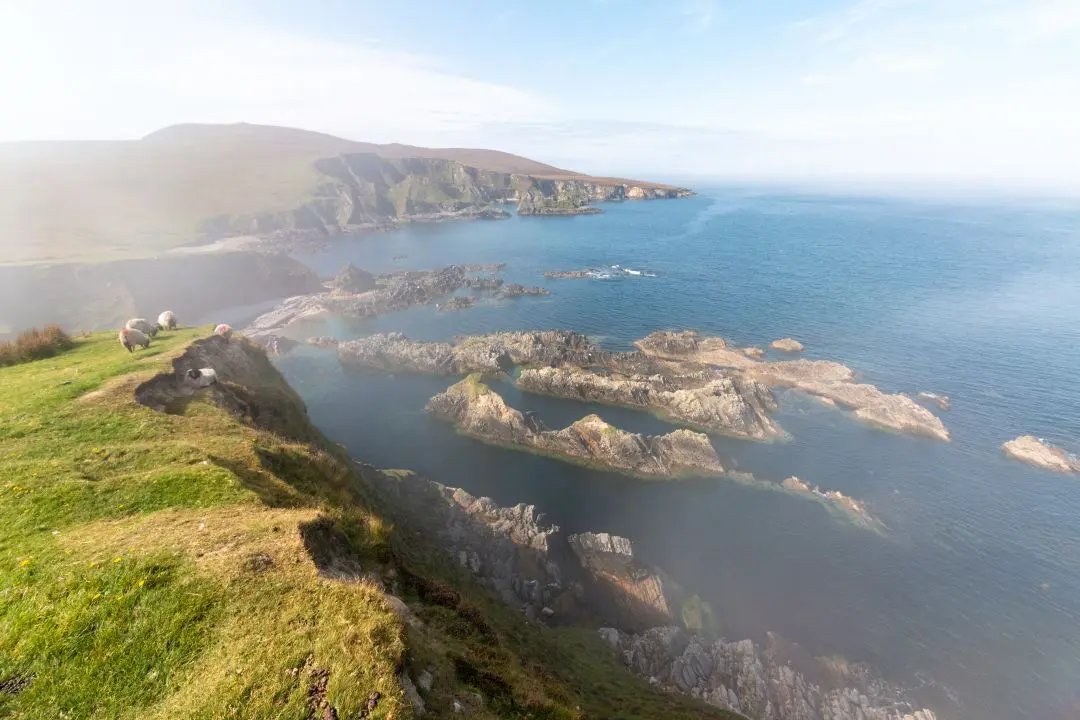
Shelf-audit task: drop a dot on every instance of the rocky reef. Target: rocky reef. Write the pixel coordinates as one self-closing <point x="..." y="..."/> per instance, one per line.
<point x="1041" y="454"/>
<point x="830" y="381"/>
<point x="355" y="293"/>
<point x="691" y="346"/>
<point x="459" y="302"/>
<point x="834" y="500"/>
<point x="942" y="401"/>
<point x="566" y="274"/>
<point x="477" y="410"/>
<point x="761" y="682"/>
<point x="790" y="345"/>
<point x="513" y="290"/>
<point x="709" y="400"/>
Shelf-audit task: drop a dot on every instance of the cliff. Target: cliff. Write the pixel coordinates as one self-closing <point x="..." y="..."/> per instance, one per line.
<point x="109" y="200"/>
<point x="239" y="560"/>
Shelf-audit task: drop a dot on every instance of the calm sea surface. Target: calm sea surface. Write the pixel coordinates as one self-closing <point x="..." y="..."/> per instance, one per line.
<point x="976" y="585"/>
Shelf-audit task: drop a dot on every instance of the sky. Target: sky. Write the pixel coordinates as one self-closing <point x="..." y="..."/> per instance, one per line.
<point x="940" y="90"/>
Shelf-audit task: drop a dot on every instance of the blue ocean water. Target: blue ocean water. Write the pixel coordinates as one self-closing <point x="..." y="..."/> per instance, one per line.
<point x="976" y="585"/>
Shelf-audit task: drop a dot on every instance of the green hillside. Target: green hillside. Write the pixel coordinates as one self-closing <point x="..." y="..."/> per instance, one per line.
<point x="209" y="555"/>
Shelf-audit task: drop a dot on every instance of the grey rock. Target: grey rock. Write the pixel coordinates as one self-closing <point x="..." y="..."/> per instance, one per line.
<point x="411" y="694"/>
<point x="477" y="410"/>
<point x="425" y="680"/>
<point x="761" y="683"/>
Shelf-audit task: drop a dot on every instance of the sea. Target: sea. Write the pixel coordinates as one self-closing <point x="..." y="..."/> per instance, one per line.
<point x="972" y="593"/>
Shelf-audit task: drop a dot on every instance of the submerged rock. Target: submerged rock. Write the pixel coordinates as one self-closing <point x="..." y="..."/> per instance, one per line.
<point x="790" y="345"/>
<point x="754" y="352"/>
<point x="761" y="682"/>
<point x="1041" y="454"/>
<point x="942" y="401"/>
<point x="835" y="499"/>
<point x="567" y="274"/>
<point x="514" y="290"/>
<point x="477" y="410"/>
<point x="833" y="382"/>
<point x="708" y="400"/>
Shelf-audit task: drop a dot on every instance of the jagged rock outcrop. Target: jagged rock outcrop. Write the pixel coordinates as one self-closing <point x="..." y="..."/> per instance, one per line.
<point x="825" y="379"/>
<point x="394" y="351"/>
<point x="460" y="302"/>
<point x="691" y="346"/>
<point x="532" y="565"/>
<point x="760" y="683"/>
<point x="477" y="410"/>
<point x="640" y="595"/>
<point x="1041" y="454"/>
<point x="710" y="400"/>
<point x="833" y="382"/>
<point x="352" y="279"/>
<point x="392" y="292"/>
<point x="790" y="345"/>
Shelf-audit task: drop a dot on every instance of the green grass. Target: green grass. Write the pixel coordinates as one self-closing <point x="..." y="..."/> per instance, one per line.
<point x="126" y="536"/>
<point x="191" y="565"/>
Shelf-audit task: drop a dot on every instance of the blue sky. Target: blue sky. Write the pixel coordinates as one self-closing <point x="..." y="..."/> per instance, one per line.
<point x="969" y="90"/>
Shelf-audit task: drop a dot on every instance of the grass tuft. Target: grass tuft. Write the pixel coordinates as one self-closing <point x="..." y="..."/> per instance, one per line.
<point x="35" y="344"/>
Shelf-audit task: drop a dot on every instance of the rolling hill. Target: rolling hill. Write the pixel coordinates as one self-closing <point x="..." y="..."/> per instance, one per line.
<point x="92" y="201"/>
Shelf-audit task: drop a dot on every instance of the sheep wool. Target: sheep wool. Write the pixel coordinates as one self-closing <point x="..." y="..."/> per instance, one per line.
<point x="224" y="331"/>
<point x="130" y="337"/>
<point x="142" y="325"/>
<point x="167" y="320"/>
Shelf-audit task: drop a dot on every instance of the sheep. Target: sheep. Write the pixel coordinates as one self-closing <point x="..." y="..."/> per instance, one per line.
<point x="142" y="325"/>
<point x="224" y="331"/>
<point x="130" y="337"/>
<point x="167" y="320"/>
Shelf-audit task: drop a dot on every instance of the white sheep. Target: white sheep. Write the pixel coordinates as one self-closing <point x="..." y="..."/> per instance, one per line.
<point x="142" y="325"/>
<point x="224" y="331"/>
<point x="167" y="320"/>
<point x="130" y="337"/>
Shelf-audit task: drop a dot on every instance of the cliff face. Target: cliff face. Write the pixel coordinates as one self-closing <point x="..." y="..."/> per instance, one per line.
<point x="360" y="190"/>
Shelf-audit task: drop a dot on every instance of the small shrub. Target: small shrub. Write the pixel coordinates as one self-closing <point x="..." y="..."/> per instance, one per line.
<point x="35" y="344"/>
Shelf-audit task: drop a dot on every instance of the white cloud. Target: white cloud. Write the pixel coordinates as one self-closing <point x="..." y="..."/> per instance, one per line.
<point x="814" y="79"/>
<point x="105" y="85"/>
<point x="904" y="64"/>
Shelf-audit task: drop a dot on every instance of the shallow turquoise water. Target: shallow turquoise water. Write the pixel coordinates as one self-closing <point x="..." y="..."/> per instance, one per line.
<point x="977" y="584"/>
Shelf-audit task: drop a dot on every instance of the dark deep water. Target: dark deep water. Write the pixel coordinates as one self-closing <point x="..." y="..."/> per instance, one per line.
<point x="976" y="585"/>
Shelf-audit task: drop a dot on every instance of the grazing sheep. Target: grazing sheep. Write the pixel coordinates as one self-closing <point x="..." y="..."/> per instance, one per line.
<point x="167" y="320"/>
<point x="130" y="337"/>
<point x="201" y="378"/>
<point x="224" y="331"/>
<point x="142" y="325"/>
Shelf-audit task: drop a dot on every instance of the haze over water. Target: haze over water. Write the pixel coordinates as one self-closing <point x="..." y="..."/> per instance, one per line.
<point x="976" y="584"/>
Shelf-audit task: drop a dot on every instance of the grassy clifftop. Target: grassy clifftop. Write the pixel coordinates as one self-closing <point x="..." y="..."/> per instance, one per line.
<point x="209" y="555"/>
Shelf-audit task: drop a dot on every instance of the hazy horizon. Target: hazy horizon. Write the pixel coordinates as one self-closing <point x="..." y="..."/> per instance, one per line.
<point x="963" y="92"/>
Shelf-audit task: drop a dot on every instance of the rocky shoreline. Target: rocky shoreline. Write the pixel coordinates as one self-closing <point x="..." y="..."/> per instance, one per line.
<point x="477" y="410"/>
<point x="596" y="579"/>
<point x="356" y="293"/>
